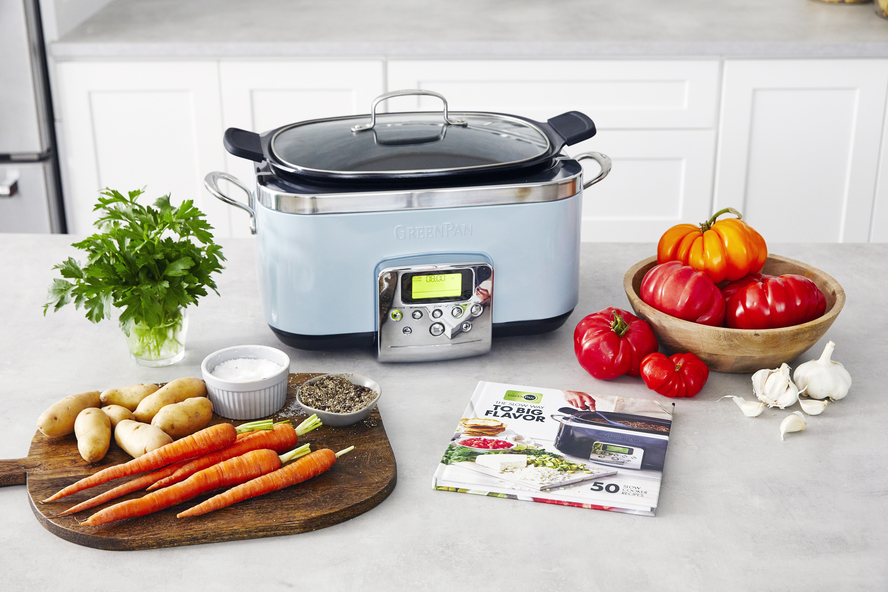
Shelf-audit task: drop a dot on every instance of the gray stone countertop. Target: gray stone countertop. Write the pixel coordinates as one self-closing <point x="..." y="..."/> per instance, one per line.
<point x="739" y="509"/>
<point x="477" y="29"/>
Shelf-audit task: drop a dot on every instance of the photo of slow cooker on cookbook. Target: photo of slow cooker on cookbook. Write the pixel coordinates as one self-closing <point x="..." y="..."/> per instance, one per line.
<point x="422" y="234"/>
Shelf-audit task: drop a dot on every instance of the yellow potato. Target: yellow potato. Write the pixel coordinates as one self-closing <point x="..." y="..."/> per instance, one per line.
<point x="116" y="414"/>
<point x="128" y="396"/>
<point x="175" y="391"/>
<point x="139" y="438"/>
<point x="93" y="430"/>
<point x="182" y="419"/>
<point x="58" y="420"/>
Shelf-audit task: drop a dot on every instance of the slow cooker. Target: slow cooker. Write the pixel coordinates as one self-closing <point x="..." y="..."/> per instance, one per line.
<point x="619" y="440"/>
<point x="422" y="234"/>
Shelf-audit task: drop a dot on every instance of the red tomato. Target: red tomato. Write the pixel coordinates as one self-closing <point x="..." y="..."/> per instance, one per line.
<point x="767" y="302"/>
<point x="680" y="375"/>
<point x="681" y="291"/>
<point x="612" y="342"/>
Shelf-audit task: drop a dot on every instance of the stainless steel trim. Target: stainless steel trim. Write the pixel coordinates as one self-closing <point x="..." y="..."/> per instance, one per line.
<point x="292" y="168"/>
<point x="404" y="93"/>
<point x="556" y="189"/>
<point x="211" y="182"/>
<point x="603" y="161"/>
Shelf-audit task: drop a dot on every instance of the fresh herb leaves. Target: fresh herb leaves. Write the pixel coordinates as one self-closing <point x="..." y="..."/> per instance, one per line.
<point x="150" y="262"/>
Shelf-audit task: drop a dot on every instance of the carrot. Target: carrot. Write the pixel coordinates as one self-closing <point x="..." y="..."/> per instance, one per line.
<point x="281" y="438"/>
<point x="198" y="443"/>
<point x="296" y="472"/>
<point x="225" y="474"/>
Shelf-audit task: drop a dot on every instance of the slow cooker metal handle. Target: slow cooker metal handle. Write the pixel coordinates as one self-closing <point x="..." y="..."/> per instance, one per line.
<point x="211" y="182"/>
<point x="603" y="161"/>
<point x="403" y="93"/>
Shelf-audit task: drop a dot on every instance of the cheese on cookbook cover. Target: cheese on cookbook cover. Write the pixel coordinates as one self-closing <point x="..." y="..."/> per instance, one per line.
<point x="597" y="451"/>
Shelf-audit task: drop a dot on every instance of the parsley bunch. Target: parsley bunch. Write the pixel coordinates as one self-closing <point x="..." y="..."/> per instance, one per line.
<point x="150" y="262"/>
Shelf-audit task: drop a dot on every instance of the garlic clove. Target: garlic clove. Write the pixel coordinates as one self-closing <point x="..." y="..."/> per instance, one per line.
<point x="813" y="406"/>
<point x="794" y="422"/>
<point x="775" y="388"/>
<point x="749" y="408"/>
<point x="823" y="378"/>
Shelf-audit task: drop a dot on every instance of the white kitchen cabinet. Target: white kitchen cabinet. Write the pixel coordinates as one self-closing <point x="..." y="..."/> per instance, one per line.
<point x="799" y="146"/>
<point x="656" y="120"/>
<point x="260" y="95"/>
<point x="879" y="226"/>
<point x="132" y="125"/>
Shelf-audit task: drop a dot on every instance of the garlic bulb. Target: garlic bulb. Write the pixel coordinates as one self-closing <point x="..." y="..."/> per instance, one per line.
<point x="775" y="388"/>
<point x="812" y="406"/>
<point x="794" y="422"/>
<point x="823" y="378"/>
<point x="749" y="408"/>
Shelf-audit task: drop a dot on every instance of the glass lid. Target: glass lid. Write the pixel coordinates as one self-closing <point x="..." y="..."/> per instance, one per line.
<point x="407" y="143"/>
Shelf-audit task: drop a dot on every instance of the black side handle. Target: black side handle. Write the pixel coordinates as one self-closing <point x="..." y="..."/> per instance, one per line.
<point x="243" y="144"/>
<point x="573" y="126"/>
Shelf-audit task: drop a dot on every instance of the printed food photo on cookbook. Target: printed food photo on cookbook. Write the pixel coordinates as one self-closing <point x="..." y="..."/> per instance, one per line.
<point x="560" y="447"/>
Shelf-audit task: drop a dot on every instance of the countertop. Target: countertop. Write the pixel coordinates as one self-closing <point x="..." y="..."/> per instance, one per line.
<point x="477" y="29"/>
<point x="739" y="509"/>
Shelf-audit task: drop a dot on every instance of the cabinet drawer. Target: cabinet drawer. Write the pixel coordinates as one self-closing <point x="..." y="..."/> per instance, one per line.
<point x="616" y="94"/>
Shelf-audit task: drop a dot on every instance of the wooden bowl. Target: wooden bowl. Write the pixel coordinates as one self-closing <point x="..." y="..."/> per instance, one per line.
<point x="739" y="350"/>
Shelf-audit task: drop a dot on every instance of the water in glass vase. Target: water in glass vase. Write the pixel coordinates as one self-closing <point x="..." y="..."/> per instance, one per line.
<point x="163" y="345"/>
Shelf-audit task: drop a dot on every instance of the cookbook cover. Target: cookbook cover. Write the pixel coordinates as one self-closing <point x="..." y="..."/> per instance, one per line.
<point x="559" y="447"/>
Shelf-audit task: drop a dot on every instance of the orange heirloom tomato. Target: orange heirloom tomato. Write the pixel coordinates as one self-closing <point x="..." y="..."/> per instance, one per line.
<point x="726" y="249"/>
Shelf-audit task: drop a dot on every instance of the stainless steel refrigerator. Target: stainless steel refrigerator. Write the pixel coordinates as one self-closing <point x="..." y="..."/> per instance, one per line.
<point x="30" y="189"/>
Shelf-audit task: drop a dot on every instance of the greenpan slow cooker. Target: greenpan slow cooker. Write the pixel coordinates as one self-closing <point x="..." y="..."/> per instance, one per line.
<point x="421" y="234"/>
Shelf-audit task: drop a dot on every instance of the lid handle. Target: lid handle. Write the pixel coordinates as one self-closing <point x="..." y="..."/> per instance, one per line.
<point x="403" y="93"/>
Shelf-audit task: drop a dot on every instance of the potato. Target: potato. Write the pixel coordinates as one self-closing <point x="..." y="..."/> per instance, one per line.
<point x="116" y="414"/>
<point x="139" y="438"/>
<point x="93" y="430"/>
<point x="175" y="391"/>
<point x="182" y="419"/>
<point x="58" y="420"/>
<point x="128" y="396"/>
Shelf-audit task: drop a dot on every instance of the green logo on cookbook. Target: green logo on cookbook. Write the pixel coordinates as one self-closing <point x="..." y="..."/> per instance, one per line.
<point x="523" y="397"/>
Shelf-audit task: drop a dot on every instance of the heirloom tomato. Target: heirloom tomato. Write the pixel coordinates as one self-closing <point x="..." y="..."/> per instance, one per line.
<point x="681" y="291"/>
<point x="679" y="375"/>
<point x="723" y="249"/>
<point x="761" y="301"/>
<point x="612" y="342"/>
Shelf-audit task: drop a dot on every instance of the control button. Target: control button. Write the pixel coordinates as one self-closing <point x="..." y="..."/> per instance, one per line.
<point x="477" y="309"/>
<point x="436" y="329"/>
<point x="417" y="314"/>
<point x="436" y="314"/>
<point x="406" y="330"/>
<point x="466" y="327"/>
<point x="457" y="311"/>
<point x="396" y="315"/>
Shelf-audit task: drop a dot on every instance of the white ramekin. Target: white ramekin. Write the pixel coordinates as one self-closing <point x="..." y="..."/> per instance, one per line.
<point x="246" y="400"/>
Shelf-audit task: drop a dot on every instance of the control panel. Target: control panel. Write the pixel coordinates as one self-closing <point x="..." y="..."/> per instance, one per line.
<point x="619" y="455"/>
<point x="435" y="312"/>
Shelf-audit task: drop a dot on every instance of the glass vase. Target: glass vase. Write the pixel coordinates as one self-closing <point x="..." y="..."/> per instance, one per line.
<point x="163" y="345"/>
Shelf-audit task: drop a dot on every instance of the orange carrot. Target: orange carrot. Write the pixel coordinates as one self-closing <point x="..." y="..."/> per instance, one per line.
<point x="281" y="438"/>
<point x="298" y="471"/>
<point x="123" y="489"/>
<point x="225" y="474"/>
<point x="198" y="443"/>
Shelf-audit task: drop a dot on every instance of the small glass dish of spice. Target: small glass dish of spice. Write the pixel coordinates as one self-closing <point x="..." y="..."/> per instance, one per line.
<point x="339" y="399"/>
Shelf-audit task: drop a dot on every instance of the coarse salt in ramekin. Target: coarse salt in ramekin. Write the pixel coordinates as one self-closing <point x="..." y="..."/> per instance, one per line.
<point x="246" y="399"/>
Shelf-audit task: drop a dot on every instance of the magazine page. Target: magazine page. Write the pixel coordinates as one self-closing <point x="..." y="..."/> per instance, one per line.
<point x="560" y="447"/>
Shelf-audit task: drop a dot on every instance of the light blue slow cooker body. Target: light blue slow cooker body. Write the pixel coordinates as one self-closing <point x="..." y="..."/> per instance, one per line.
<point x="318" y="272"/>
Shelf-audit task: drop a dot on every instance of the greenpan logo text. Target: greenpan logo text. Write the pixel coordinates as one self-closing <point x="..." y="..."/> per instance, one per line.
<point x="523" y="397"/>
<point x="445" y="230"/>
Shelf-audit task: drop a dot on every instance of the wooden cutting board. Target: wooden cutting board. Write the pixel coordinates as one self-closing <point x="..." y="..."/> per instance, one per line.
<point x="356" y="483"/>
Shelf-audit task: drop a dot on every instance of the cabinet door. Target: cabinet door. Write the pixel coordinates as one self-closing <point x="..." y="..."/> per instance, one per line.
<point x="798" y="148"/>
<point x="656" y="120"/>
<point x="879" y="227"/>
<point x="263" y="95"/>
<point x="133" y="125"/>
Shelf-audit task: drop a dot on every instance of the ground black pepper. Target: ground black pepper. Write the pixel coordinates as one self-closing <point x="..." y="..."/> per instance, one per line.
<point x="336" y="394"/>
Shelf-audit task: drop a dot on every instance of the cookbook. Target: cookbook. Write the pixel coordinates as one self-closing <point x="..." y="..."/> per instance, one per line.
<point x="561" y="447"/>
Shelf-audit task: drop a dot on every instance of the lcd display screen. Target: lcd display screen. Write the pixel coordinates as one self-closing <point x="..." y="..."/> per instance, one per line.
<point x="442" y="285"/>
